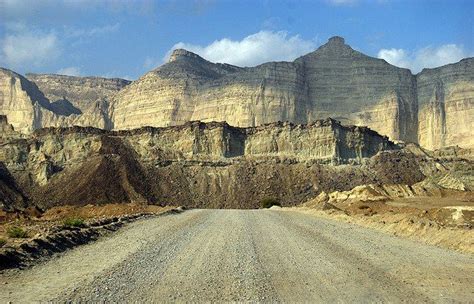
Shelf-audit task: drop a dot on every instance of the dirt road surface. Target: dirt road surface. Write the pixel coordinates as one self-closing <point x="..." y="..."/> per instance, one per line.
<point x="246" y="255"/>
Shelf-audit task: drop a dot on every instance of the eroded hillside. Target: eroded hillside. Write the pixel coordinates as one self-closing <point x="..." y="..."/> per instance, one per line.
<point x="205" y="165"/>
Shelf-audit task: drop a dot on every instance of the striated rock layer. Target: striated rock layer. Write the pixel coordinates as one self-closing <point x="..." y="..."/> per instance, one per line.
<point x="77" y="92"/>
<point x="210" y="165"/>
<point x="334" y="81"/>
<point x="54" y="100"/>
<point x="196" y="164"/>
<point x="433" y="108"/>
<point x="446" y="105"/>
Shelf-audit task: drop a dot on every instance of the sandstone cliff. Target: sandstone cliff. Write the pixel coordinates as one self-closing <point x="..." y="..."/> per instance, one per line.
<point x="55" y="100"/>
<point x="334" y="81"/>
<point x="77" y="94"/>
<point x="433" y="108"/>
<point x="446" y="105"/>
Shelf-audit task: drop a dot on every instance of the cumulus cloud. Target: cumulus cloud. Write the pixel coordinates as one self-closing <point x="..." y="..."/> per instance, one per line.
<point x="398" y="57"/>
<point x="428" y="57"/>
<point x="26" y="48"/>
<point x="252" y="50"/>
<point x="70" y="71"/>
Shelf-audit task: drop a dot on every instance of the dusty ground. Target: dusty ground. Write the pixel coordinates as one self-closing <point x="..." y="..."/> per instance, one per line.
<point x="443" y="221"/>
<point x="37" y="224"/>
<point x="247" y="255"/>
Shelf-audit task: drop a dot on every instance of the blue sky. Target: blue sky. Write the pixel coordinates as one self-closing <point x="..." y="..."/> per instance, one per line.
<point x="127" y="38"/>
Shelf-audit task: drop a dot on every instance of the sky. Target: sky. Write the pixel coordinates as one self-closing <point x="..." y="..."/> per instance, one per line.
<point x="118" y="38"/>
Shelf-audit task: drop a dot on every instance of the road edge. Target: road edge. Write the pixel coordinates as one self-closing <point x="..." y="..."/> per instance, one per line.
<point x="40" y="249"/>
<point x="442" y="237"/>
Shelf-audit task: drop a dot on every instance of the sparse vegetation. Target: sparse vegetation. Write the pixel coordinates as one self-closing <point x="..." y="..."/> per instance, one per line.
<point x="74" y="222"/>
<point x="269" y="201"/>
<point x="2" y="242"/>
<point x="17" y="232"/>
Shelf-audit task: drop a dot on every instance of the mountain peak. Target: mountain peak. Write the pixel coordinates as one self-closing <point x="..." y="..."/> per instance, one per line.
<point x="334" y="48"/>
<point x="182" y="53"/>
<point x="336" y="41"/>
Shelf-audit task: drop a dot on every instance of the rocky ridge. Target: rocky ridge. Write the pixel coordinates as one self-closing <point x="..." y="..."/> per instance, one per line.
<point x="211" y="165"/>
<point x="333" y="81"/>
<point x="433" y="108"/>
<point x="55" y="100"/>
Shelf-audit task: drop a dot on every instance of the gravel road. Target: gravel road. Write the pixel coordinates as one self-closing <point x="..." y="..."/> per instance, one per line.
<point x="246" y="255"/>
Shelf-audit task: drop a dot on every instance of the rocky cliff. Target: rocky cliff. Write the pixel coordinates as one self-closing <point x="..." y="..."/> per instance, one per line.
<point x="334" y="81"/>
<point x="195" y="164"/>
<point x="79" y="95"/>
<point x="211" y="165"/>
<point x="433" y="108"/>
<point x="446" y="105"/>
<point x="53" y="100"/>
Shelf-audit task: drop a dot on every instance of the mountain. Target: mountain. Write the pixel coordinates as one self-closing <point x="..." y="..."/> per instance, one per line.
<point x="39" y="101"/>
<point x="434" y="108"/>
<point x="446" y="105"/>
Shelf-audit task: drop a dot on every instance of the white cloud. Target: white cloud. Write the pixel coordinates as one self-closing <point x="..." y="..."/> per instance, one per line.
<point x="252" y="50"/>
<point x="26" y="48"/>
<point x="70" y="71"/>
<point x="398" y="57"/>
<point x="432" y="57"/>
<point x="428" y="57"/>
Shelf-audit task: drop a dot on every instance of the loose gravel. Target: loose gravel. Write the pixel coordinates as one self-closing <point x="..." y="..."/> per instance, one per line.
<point x="246" y="255"/>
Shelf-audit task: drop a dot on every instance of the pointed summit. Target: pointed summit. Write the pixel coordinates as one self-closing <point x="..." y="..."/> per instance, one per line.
<point x="336" y="41"/>
<point x="334" y="49"/>
<point x="182" y="53"/>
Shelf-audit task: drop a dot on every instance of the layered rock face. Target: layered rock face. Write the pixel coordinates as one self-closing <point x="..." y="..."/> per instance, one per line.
<point x="211" y="165"/>
<point x="167" y="96"/>
<point x="20" y="100"/>
<point x="433" y="108"/>
<point x="54" y="100"/>
<point x="334" y="81"/>
<point x="324" y="141"/>
<point x="89" y="96"/>
<point x="446" y="105"/>
<point x="196" y="164"/>
<point x="79" y="92"/>
<point x="357" y="89"/>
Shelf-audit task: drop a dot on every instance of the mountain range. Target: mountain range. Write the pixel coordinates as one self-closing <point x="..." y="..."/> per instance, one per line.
<point x="434" y="108"/>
